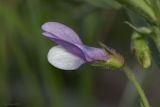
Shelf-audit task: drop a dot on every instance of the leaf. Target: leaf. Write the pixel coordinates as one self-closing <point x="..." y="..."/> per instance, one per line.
<point x="140" y="7"/>
<point x="104" y="3"/>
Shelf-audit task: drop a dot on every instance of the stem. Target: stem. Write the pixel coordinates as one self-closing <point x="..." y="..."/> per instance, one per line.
<point x="137" y="85"/>
<point x="154" y="46"/>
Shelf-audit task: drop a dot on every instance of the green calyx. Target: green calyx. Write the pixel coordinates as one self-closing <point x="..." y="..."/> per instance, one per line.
<point x="114" y="60"/>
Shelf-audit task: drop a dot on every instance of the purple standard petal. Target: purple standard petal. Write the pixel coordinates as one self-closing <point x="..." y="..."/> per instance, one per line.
<point x="61" y="32"/>
<point x="73" y="48"/>
<point x="93" y="54"/>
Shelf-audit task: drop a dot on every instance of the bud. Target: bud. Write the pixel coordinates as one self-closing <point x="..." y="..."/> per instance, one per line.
<point x="141" y="50"/>
<point x="115" y="60"/>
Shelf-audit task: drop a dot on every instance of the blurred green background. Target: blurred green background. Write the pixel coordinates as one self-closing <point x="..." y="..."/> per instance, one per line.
<point x="28" y="80"/>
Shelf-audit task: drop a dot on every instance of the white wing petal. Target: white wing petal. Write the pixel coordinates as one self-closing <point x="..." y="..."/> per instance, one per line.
<point x="62" y="59"/>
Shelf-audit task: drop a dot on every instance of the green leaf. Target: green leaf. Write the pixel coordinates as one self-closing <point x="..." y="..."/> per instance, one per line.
<point x="104" y="3"/>
<point x="140" y="7"/>
<point x="141" y="30"/>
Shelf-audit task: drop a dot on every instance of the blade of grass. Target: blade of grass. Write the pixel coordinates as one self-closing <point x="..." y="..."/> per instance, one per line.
<point x="30" y="84"/>
<point x="49" y="81"/>
<point x="85" y="88"/>
<point x="3" y="72"/>
<point x="29" y="78"/>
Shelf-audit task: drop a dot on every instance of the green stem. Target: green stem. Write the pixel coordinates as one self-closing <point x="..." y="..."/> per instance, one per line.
<point x="137" y="85"/>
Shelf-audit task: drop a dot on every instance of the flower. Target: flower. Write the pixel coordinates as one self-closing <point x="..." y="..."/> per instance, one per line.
<point x="70" y="53"/>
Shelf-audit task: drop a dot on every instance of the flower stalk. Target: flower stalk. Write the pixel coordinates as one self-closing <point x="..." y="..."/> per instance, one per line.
<point x="137" y="85"/>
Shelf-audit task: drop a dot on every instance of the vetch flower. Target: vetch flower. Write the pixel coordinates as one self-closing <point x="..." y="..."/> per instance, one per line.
<point x="70" y="53"/>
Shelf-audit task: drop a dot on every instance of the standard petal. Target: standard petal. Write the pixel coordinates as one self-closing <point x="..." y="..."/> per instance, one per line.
<point x="62" y="32"/>
<point x="73" y="48"/>
<point x="93" y="54"/>
<point x="62" y="59"/>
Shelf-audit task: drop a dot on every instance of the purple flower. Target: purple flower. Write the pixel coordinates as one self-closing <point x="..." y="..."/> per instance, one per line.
<point x="70" y="53"/>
